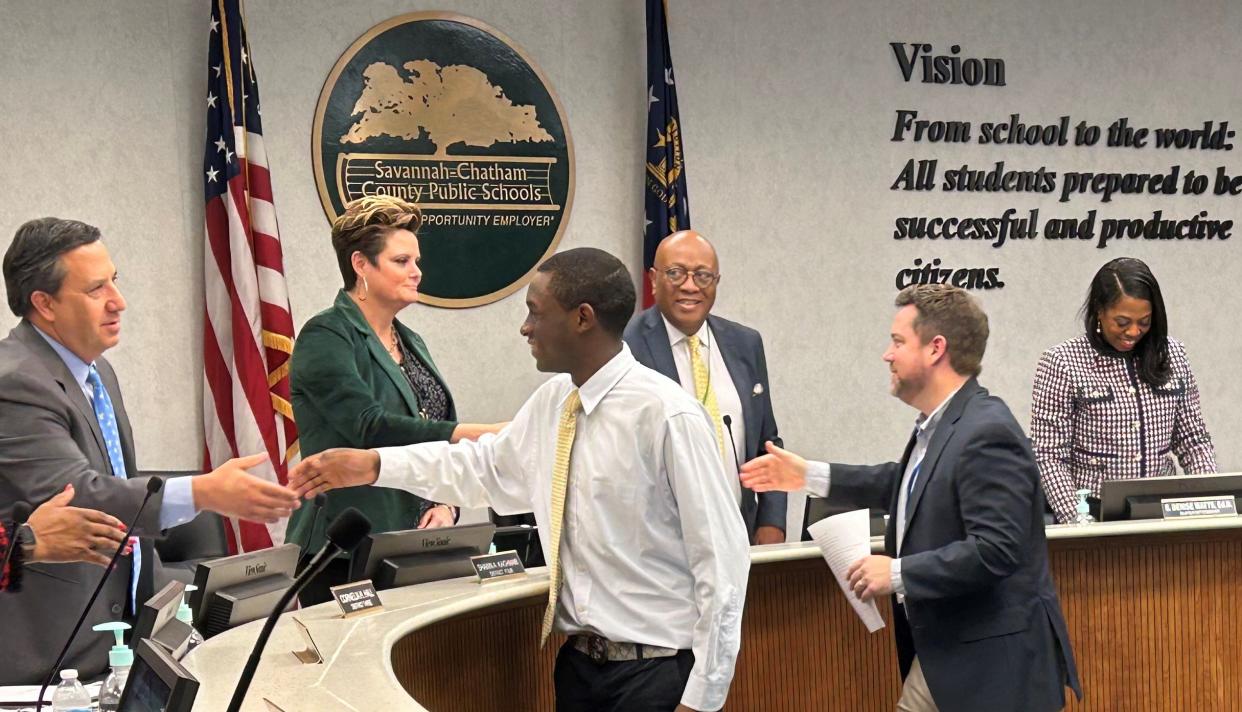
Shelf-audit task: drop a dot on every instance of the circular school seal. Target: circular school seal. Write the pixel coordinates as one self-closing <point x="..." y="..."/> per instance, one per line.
<point x="443" y="111"/>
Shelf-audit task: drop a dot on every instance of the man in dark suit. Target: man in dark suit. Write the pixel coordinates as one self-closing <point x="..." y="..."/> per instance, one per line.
<point x="975" y="612"/>
<point x="63" y="422"/>
<point x="719" y="362"/>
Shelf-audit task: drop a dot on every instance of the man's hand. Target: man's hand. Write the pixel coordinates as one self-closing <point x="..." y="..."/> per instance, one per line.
<point x="438" y="516"/>
<point x="64" y="533"/>
<point x="769" y="535"/>
<point x="334" y="469"/>
<point x="871" y="577"/>
<point x="778" y="470"/>
<point x="683" y="708"/>
<point x="231" y="491"/>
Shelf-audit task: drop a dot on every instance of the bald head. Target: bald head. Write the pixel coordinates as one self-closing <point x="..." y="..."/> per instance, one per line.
<point x="683" y="299"/>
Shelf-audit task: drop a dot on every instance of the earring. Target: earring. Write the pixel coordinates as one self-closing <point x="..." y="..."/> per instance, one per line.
<point x="1097" y="326"/>
<point x="366" y="290"/>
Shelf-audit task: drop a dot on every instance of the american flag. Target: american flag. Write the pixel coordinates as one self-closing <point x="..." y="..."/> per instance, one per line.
<point x="248" y="327"/>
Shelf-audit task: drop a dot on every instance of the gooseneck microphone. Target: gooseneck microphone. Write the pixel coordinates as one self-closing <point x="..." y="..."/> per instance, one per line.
<point x="21" y="512"/>
<point x="728" y="423"/>
<point x="154" y="484"/>
<point x="344" y="534"/>
<point x="320" y="500"/>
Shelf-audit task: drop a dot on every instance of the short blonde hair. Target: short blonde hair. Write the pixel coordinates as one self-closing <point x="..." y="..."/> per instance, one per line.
<point x="365" y="226"/>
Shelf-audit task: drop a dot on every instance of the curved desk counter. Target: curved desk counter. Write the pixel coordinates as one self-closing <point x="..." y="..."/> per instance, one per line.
<point x="1154" y="611"/>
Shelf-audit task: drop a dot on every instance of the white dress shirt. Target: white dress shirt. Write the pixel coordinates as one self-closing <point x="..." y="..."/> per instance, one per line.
<point x="653" y="547"/>
<point x="721" y="381"/>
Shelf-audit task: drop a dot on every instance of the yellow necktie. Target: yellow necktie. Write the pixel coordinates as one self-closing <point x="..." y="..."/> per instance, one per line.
<point x="704" y="392"/>
<point x="560" y="482"/>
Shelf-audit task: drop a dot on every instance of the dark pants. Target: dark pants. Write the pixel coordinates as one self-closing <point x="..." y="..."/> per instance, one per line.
<point x="652" y="685"/>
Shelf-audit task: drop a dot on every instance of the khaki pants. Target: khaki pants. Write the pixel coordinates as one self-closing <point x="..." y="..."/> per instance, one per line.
<point x="915" y="697"/>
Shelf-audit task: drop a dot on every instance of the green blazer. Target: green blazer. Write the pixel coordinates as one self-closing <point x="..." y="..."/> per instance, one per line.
<point x="348" y="392"/>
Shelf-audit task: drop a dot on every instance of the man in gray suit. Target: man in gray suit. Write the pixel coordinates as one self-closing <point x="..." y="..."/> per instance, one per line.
<point x="719" y="362"/>
<point x="63" y="422"/>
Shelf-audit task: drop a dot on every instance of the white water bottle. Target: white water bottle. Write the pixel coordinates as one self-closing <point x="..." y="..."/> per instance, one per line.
<point x="70" y="696"/>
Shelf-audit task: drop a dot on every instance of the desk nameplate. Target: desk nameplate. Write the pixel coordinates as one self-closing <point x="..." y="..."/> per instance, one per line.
<point x="1177" y="508"/>
<point x="502" y="565"/>
<point x="357" y="598"/>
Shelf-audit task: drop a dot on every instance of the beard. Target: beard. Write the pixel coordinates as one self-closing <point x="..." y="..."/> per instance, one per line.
<point x="905" y="389"/>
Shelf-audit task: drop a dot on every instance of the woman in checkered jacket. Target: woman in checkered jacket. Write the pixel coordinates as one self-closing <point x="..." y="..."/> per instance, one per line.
<point x="1120" y="401"/>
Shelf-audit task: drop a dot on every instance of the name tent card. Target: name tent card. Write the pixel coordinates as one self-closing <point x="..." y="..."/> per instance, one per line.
<point x="357" y="598"/>
<point x="501" y="565"/>
<point x="1222" y="506"/>
<point x="309" y="655"/>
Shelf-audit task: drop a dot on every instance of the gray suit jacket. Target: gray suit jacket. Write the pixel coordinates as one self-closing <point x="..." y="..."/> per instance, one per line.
<point x="981" y="611"/>
<point x="49" y="437"/>
<point x="742" y="349"/>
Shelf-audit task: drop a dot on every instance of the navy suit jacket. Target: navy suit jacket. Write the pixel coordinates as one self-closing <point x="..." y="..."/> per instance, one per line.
<point x="742" y="349"/>
<point x="981" y="611"/>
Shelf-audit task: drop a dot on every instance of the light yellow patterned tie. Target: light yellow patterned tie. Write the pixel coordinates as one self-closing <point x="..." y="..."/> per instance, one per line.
<point x="704" y="392"/>
<point x="560" y="483"/>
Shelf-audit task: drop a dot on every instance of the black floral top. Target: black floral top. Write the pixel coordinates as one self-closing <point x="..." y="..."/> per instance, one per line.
<point x="432" y="398"/>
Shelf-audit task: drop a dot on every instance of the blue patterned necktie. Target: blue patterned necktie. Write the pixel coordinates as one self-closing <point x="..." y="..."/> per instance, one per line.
<point x="112" y="441"/>
<point x="914" y="477"/>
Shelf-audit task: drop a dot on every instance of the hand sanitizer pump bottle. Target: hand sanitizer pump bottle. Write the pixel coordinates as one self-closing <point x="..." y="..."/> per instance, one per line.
<point x="120" y="658"/>
<point x="1084" y="509"/>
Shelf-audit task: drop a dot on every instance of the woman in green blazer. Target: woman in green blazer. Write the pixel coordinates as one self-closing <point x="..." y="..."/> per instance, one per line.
<point x="360" y="378"/>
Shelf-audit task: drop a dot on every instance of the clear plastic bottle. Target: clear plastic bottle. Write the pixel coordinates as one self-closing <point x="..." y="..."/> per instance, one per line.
<point x="185" y="615"/>
<point x="120" y="658"/>
<point x="70" y="696"/>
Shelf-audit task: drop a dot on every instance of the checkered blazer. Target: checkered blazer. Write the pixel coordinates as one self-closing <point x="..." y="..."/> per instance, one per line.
<point x="1094" y="419"/>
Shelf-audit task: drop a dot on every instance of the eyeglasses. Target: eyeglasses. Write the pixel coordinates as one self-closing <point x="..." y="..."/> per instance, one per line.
<point x="702" y="278"/>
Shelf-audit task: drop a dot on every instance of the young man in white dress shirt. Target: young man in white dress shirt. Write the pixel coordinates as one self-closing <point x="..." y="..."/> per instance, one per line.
<point x="653" y="560"/>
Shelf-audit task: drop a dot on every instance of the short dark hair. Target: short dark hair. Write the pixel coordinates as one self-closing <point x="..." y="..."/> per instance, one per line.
<point x="364" y="227"/>
<point x="32" y="262"/>
<point x="1130" y="277"/>
<point x="952" y="313"/>
<point x="585" y="275"/>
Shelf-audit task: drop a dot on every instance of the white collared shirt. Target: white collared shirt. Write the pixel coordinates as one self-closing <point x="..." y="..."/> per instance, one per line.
<point x="721" y="381"/>
<point x="653" y="547"/>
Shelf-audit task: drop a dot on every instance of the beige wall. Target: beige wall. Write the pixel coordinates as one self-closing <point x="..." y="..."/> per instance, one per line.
<point x="787" y="108"/>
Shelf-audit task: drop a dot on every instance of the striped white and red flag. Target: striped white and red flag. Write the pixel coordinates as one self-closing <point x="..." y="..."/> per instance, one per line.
<point x="248" y="327"/>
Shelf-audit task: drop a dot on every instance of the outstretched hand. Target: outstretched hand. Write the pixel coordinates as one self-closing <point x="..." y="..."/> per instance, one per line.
<point x="779" y="470"/>
<point x="64" y="533"/>
<point x="334" y="469"/>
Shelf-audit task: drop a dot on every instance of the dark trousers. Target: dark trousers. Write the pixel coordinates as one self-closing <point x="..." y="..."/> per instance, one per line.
<point x="652" y="685"/>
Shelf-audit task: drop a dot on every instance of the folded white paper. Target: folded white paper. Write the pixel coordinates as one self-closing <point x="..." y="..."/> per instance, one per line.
<point x="843" y="539"/>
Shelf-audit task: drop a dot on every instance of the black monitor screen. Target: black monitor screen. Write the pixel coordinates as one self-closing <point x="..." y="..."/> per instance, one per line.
<point x="157" y="683"/>
<point x="403" y="558"/>
<point x="145" y="691"/>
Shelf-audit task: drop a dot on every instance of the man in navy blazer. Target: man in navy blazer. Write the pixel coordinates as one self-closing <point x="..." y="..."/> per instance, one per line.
<point x="734" y="388"/>
<point x="975" y="612"/>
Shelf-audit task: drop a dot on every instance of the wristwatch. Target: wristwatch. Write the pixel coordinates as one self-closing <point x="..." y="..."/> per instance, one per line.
<point x="26" y="540"/>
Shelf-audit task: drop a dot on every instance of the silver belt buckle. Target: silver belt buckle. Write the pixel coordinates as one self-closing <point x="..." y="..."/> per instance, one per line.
<point x="597" y="649"/>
